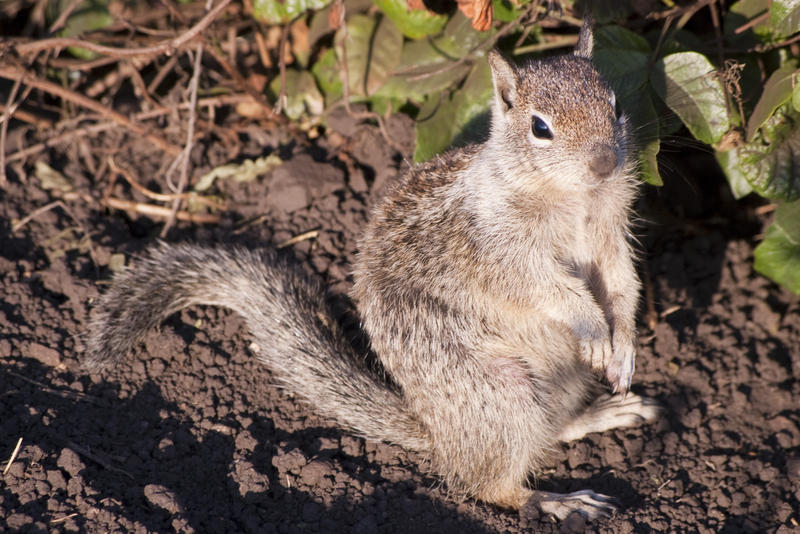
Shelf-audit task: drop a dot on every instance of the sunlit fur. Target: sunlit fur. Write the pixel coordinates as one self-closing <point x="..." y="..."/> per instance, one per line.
<point x="495" y="283"/>
<point x="494" y="278"/>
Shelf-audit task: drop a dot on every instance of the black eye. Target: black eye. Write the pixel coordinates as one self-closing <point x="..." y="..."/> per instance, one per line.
<point x="540" y="128"/>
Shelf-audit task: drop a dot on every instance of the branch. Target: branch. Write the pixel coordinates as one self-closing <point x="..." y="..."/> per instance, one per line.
<point x="168" y="46"/>
<point x="14" y="73"/>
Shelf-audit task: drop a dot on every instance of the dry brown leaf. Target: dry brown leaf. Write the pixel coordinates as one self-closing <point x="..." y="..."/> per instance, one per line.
<point x="257" y="81"/>
<point x="479" y="11"/>
<point x="252" y="110"/>
<point x="300" y="45"/>
<point x="336" y="15"/>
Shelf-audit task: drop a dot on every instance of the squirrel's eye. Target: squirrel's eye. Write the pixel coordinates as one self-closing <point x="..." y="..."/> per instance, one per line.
<point x="540" y="128"/>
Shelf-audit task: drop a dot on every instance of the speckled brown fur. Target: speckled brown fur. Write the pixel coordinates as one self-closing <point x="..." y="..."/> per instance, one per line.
<point x="495" y="283"/>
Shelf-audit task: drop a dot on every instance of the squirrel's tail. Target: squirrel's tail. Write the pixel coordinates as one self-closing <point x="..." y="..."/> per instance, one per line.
<point x="285" y="311"/>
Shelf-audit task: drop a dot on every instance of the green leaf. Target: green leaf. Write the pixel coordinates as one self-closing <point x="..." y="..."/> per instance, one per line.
<point x="430" y="66"/>
<point x="442" y="121"/>
<point x="283" y="11"/>
<point x="771" y="162"/>
<point x="787" y="218"/>
<point x="778" y="257"/>
<point x="605" y="11"/>
<point x="90" y="15"/>
<point x="689" y="85"/>
<point x="319" y="26"/>
<point x="460" y="38"/>
<point x="433" y="127"/>
<point x="413" y="23"/>
<point x="620" y="39"/>
<point x="784" y="16"/>
<point x="796" y="95"/>
<point x="507" y="11"/>
<point x="745" y="12"/>
<point x="737" y="179"/>
<point x="302" y="95"/>
<point x="382" y="104"/>
<point x="648" y="163"/>
<point x="646" y="130"/>
<point x="326" y="72"/>
<point x="623" y="58"/>
<point x="372" y="52"/>
<point x="625" y="70"/>
<point x="777" y="91"/>
<point x="423" y="70"/>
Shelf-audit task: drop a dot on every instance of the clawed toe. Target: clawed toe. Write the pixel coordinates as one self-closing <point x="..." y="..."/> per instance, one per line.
<point x="588" y="504"/>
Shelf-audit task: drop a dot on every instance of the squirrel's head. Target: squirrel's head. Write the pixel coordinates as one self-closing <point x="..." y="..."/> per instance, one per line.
<point x="558" y="117"/>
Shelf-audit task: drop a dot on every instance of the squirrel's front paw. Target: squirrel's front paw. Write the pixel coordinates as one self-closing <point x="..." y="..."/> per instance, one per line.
<point x="595" y="348"/>
<point x="619" y="371"/>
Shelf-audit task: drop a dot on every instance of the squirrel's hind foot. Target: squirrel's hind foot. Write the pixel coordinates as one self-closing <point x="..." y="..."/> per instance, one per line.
<point x="586" y="503"/>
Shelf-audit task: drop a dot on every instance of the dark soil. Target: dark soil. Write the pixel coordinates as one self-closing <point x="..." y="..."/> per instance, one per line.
<point x="190" y="435"/>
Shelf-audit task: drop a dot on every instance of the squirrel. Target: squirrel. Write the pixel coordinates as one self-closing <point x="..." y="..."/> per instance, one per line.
<point x="495" y="284"/>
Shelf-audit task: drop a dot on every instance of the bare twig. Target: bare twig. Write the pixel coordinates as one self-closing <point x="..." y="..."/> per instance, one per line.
<point x="162" y="73"/>
<point x="169" y="46"/>
<point x="680" y="11"/>
<point x="152" y="210"/>
<point x="6" y="118"/>
<point x="35" y="213"/>
<point x="224" y="100"/>
<point x="715" y="22"/>
<point x="263" y="53"/>
<point x="21" y="115"/>
<point x="64" y="393"/>
<point x="13" y="456"/>
<point x="281" y="103"/>
<point x="757" y="20"/>
<point x="13" y="72"/>
<point x="62" y="18"/>
<point x="187" y="151"/>
<point x="80" y="64"/>
<point x="63" y="519"/>
<point x="131" y="69"/>
<point x="243" y="85"/>
<point x="159" y="197"/>
<point x="311" y="234"/>
<point x="767" y="47"/>
<point x="561" y="42"/>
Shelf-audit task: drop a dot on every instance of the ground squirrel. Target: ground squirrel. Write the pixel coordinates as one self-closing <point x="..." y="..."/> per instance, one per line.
<point x="495" y="283"/>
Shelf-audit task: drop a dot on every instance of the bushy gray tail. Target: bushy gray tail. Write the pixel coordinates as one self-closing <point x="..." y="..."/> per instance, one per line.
<point x="285" y="311"/>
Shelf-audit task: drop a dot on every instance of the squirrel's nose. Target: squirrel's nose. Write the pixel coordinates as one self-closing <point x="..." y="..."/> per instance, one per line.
<point x="604" y="161"/>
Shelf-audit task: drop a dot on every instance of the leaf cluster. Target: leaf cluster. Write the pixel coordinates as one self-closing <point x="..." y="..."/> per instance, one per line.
<point x="726" y="75"/>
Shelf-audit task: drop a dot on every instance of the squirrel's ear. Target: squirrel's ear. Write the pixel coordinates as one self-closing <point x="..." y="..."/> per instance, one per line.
<point x="586" y="38"/>
<point x="504" y="79"/>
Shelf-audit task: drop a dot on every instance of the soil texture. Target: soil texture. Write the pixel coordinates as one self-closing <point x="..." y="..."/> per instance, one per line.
<point x="189" y="434"/>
